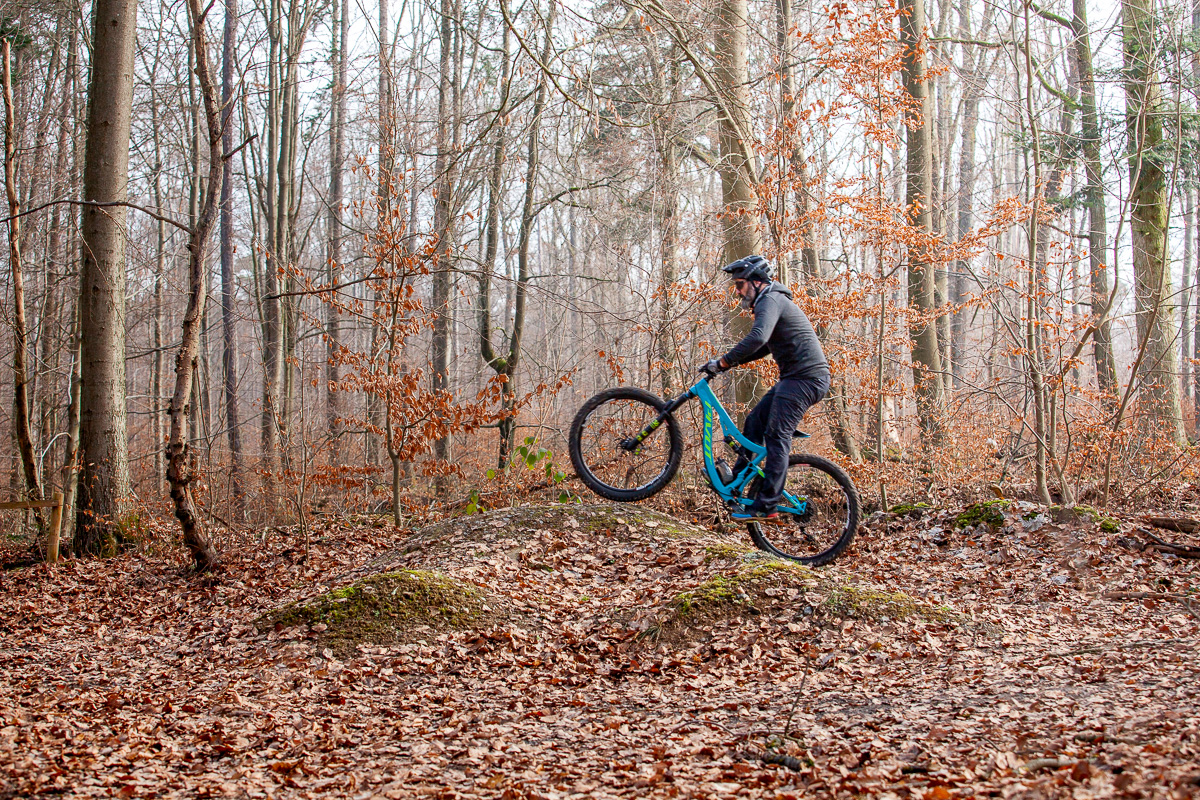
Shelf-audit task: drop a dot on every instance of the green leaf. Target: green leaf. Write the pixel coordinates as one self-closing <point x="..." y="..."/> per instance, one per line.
<point x="491" y="473"/>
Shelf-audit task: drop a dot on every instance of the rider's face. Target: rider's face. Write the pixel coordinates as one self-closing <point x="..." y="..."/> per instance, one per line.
<point x="745" y="289"/>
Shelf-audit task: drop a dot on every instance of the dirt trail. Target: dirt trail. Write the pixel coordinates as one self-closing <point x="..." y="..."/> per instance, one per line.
<point x="128" y="678"/>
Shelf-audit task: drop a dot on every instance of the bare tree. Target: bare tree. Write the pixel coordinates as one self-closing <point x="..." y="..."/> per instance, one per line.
<point x="104" y="489"/>
<point x="926" y="355"/>
<point x="229" y="354"/>
<point x="179" y="471"/>
<point x="739" y="178"/>
<point x="1149" y="211"/>
<point x="445" y="167"/>
<point x="29" y="466"/>
<point x="337" y="136"/>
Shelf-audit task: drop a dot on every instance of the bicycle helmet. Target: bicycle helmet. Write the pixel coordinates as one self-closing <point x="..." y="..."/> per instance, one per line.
<point x="750" y="268"/>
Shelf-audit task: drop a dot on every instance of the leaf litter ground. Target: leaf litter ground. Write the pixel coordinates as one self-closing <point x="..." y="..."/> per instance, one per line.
<point x="615" y="652"/>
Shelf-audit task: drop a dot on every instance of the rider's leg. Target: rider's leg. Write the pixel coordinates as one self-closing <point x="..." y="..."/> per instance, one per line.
<point x="755" y="426"/>
<point x="792" y="399"/>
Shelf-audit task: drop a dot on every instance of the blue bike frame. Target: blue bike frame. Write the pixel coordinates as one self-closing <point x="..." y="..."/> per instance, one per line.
<point x="714" y="412"/>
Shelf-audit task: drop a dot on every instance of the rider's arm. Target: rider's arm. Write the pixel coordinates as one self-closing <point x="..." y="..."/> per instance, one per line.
<point x="754" y="346"/>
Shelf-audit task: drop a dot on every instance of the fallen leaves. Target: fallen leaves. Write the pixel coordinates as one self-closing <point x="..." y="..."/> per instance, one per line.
<point x="128" y="678"/>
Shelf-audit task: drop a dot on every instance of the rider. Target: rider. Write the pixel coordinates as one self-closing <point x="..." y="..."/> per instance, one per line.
<point x="781" y="329"/>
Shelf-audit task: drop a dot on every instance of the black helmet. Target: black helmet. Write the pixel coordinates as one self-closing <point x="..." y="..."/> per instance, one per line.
<point x="750" y="268"/>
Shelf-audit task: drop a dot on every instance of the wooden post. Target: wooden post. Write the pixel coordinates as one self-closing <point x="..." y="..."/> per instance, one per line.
<point x="52" y="535"/>
<point x="55" y="519"/>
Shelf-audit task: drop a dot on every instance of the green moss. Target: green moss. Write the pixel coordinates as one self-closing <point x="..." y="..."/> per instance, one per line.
<point x="872" y="604"/>
<point x="740" y="588"/>
<point x="908" y="509"/>
<point x="731" y="552"/>
<point x="1109" y="525"/>
<point x="382" y="608"/>
<point x="990" y="513"/>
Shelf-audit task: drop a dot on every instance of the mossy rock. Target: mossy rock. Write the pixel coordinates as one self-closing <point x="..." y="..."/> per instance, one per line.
<point x="909" y="509"/>
<point x="386" y="608"/>
<point x="1110" y="525"/>
<point x="874" y="605"/>
<point x="990" y="513"/>
<point x="743" y="590"/>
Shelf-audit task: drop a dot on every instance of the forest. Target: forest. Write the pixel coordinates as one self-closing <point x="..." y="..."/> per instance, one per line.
<point x="303" y="297"/>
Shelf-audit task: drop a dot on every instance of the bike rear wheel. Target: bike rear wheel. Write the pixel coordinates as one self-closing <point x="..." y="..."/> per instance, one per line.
<point x="818" y="516"/>
<point x="611" y="419"/>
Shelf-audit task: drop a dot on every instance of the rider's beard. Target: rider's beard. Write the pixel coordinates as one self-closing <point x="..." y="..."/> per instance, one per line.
<point x="748" y="300"/>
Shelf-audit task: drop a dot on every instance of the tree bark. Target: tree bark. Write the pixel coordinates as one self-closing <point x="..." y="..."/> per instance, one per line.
<point x="377" y="414"/>
<point x="179" y="474"/>
<point x="1185" y="307"/>
<point x="739" y="220"/>
<point x="271" y="305"/>
<point x="1158" y="393"/>
<point x="24" y="434"/>
<point x="229" y="354"/>
<point x="443" y="222"/>
<point x="157" y="432"/>
<point x="926" y="356"/>
<point x="60" y="186"/>
<point x="972" y="92"/>
<point x="104" y="488"/>
<point x="667" y="87"/>
<point x="499" y="364"/>
<point x="333" y="405"/>
<point x="1102" y="350"/>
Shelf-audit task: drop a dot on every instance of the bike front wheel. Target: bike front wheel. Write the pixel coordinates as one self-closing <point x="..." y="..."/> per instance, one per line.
<point x="818" y="515"/>
<point x="599" y="445"/>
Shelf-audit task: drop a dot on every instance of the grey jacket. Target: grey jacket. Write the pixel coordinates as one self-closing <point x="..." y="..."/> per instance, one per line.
<point x="783" y="330"/>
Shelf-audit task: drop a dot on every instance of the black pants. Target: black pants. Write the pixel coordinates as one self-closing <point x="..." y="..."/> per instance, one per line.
<point x="771" y="423"/>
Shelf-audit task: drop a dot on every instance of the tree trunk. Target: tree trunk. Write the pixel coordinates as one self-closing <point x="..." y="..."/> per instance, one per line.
<point x="487" y="350"/>
<point x="24" y="435"/>
<point x="926" y="356"/>
<point x="104" y="488"/>
<point x="443" y="223"/>
<point x="333" y="405"/>
<point x="739" y="220"/>
<point x="667" y="86"/>
<point x="1102" y="350"/>
<point x="229" y="355"/>
<point x="1158" y="392"/>
<point x="58" y="251"/>
<point x="70" y="467"/>
<point x="271" y="316"/>
<point x="972" y="92"/>
<point x="1196" y="347"/>
<point x="179" y="474"/>
<point x="377" y="418"/>
<point x="1185" y="307"/>
<point x="156" y="306"/>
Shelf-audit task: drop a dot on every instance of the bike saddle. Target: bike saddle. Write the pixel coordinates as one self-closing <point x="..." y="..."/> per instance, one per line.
<point x="801" y="435"/>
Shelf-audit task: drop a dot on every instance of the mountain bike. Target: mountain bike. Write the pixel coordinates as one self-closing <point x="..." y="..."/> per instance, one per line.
<point x="626" y="445"/>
